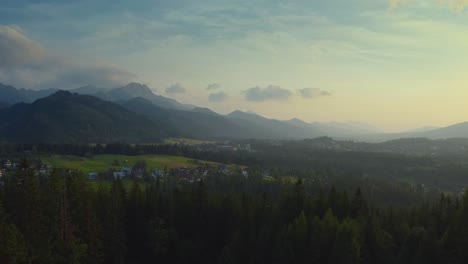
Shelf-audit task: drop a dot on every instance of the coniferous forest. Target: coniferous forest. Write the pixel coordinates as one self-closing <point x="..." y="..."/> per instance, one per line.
<point x="222" y="219"/>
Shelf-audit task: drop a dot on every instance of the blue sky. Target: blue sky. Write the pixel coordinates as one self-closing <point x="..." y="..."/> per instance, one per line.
<point x="394" y="64"/>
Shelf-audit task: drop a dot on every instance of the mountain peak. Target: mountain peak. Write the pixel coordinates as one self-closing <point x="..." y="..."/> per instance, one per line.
<point x="239" y="112"/>
<point x="135" y="85"/>
<point x="297" y="122"/>
<point x="62" y="93"/>
<point x="204" y="110"/>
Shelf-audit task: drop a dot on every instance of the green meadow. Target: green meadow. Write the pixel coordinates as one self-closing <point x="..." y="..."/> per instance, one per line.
<point x="100" y="163"/>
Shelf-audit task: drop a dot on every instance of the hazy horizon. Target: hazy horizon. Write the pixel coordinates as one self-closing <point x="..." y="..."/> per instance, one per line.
<point x="397" y="65"/>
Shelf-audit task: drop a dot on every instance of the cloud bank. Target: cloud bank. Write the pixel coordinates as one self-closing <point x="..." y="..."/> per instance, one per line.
<point x="270" y="93"/>
<point x="213" y="86"/>
<point x="175" y="88"/>
<point x="16" y="49"/>
<point x="217" y="97"/>
<point x="309" y="93"/>
<point x="26" y="63"/>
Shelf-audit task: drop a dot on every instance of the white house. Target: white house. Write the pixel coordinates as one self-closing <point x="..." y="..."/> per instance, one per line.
<point x="118" y="175"/>
<point x="157" y="173"/>
<point x="126" y="170"/>
<point x="92" y="176"/>
<point x="245" y="174"/>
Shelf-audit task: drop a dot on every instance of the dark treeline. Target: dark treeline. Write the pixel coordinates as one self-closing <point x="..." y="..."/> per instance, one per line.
<point x="222" y="219"/>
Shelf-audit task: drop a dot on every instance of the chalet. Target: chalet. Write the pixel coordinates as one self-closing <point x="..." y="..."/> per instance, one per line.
<point x="43" y="170"/>
<point x="126" y="170"/>
<point x="157" y="173"/>
<point x="223" y="169"/>
<point x="92" y="176"/>
<point x="245" y="174"/>
<point x="265" y="173"/>
<point x="118" y="175"/>
<point x="139" y="173"/>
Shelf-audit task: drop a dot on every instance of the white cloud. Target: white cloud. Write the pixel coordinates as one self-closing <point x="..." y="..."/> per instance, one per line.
<point x="217" y="97"/>
<point x="309" y="93"/>
<point x="213" y="86"/>
<point x="176" y="88"/>
<point x="17" y="49"/>
<point x="271" y="92"/>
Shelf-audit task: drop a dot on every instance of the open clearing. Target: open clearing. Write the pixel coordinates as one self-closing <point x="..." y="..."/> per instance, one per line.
<point x="99" y="163"/>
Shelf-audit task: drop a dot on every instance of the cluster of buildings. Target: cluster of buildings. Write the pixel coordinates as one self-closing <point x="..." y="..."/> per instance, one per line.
<point x="186" y="174"/>
<point x="225" y="146"/>
<point x="6" y="165"/>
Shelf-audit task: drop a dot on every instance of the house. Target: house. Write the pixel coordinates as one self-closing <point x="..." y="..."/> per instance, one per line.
<point x="126" y="170"/>
<point x="265" y="173"/>
<point x="8" y="164"/>
<point x="245" y="174"/>
<point x="43" y="170"/>
<point x="157" y="173"/>
<point x="92" y="176"/>
<point x="223" y="169"/>
<point x="1" y="173"/>
<point x="118" y="175"/>
<point x="139" y="173"/>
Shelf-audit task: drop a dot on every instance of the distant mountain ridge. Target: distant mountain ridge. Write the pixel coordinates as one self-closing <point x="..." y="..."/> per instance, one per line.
<point x="60" y="111"/>
<point x="73" y="118"/>
<point x="12" y="95"/>
<point x="134" y="90"/>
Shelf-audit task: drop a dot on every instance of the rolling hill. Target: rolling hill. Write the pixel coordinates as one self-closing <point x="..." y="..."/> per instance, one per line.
<point x="73" y="118"/>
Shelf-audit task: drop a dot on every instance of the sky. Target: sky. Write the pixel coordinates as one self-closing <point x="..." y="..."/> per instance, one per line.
<point x="397" y="64"/>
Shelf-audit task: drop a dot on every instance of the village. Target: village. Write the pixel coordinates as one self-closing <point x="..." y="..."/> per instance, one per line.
<point x="138" y="171"/>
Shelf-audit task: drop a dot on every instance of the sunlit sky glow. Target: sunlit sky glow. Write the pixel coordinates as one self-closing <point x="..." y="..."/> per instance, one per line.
<point x="395" y="64"/>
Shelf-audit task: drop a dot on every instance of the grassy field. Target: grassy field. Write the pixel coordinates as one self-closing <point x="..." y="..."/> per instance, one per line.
<point x="186" y="141"/>
<point x="100" y="163"/>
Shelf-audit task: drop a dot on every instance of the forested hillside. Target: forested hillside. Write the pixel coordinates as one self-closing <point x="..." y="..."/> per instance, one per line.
<point x="67" y="117"/>
<point x="221" y="219"/>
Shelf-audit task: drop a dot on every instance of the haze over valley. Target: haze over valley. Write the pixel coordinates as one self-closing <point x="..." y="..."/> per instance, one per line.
<point x="233" y="131"/>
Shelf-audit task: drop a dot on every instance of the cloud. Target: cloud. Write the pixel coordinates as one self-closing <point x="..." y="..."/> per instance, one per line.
<point x="395" y="3"/>
<point x="217" y="97"/>
<point x="213" y="86"/>
<point x="272" y="92"/>
<point x="16" y="49"/>
<point x="309" y="93"/>
<point x="25" y="63"/>
<point x="175" y="89"/>
<point x="99" y="73"/>
<point x="457" y="5"/>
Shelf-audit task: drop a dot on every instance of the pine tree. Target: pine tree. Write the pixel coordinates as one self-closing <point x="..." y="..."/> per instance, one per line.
<point x="12" y="244"/>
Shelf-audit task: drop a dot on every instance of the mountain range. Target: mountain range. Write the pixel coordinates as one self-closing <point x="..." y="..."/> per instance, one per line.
<point x="73" y="118"/>
<point x="133" y="113"/>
